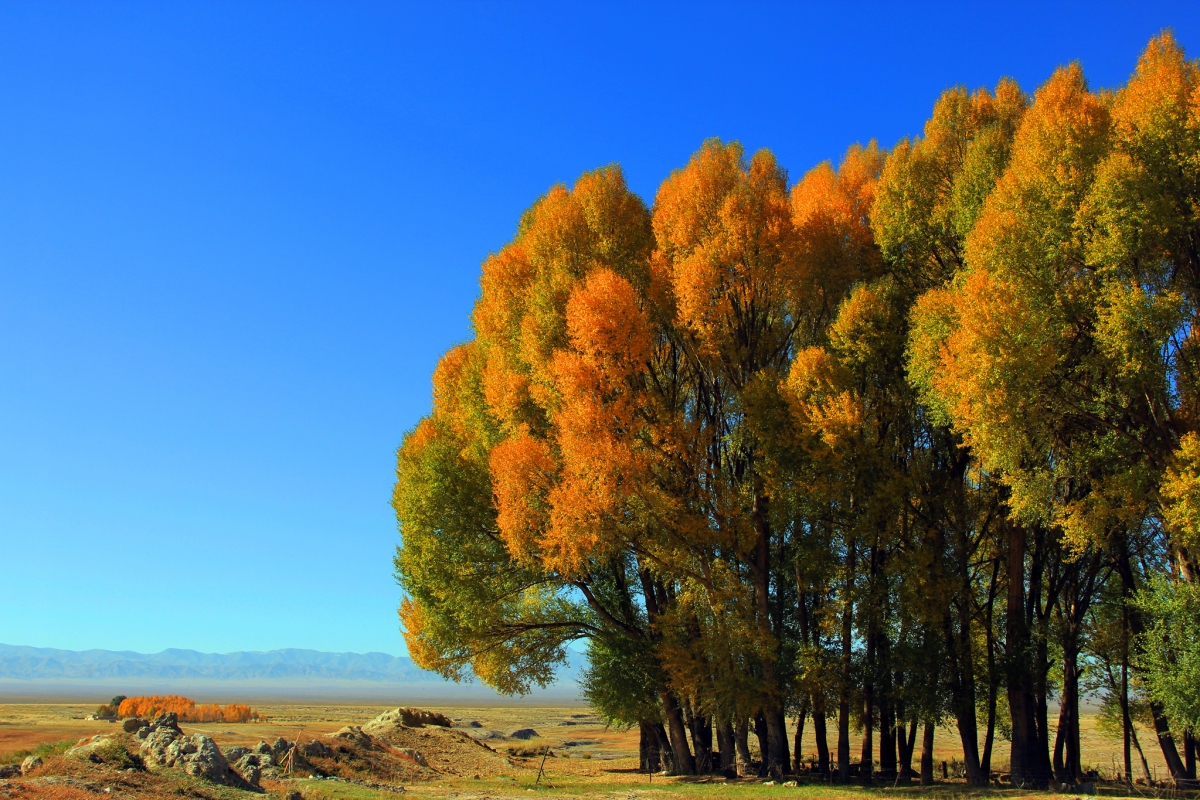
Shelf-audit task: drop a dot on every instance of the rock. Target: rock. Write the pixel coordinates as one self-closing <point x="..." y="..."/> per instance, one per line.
<point x="133" y="724"/>
<point x="262" y="748"/>
<point x="293" y="795"/>
<point x="413" y="755"/>
<point x="317" y="749"/>
<point x="353" y="734"/>
<point x="199" y="756"/>
<point x="790" y="783"/>
<point x="142" y="733"/>
<point x="406" y="718"/>
<point x="86" y="749"/>
<point x="523" y="733"/>
<point x="279" y="749"/>
<point x="10" y="771"/>
<point x="232" y="754"/>
<point x="167" y="719"/>
<point x="474" y="724"/>
<point x="251" y="775"/>
<point x="154" y="746"/>
<point x="30" y="764"/>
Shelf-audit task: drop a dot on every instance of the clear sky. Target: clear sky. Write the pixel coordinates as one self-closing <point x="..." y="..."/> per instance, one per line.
<point x="234" y="239"/>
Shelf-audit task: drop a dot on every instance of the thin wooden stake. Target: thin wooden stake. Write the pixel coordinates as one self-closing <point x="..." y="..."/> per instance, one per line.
<point x="545" y="753"/>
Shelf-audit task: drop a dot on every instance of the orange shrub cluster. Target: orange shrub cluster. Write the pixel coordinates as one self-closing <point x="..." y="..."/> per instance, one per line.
<point x="187" y="709"/>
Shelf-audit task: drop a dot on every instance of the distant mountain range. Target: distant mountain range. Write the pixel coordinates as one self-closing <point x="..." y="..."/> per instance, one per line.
<point x="41" y="663"/>
<point x="309" y="673"/>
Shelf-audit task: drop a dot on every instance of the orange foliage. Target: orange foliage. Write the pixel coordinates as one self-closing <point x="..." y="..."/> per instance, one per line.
<point x="187" y="709"/>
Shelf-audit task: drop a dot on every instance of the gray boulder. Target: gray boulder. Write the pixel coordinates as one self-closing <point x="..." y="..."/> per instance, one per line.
<point x="523" y="733"/>
<point x="154" y="746"/>
<point x="10" y="771"/>
<point x="353" y="734"/>
<point x="232" y="754"/>
<point x="87" y="749"/>
<point x="167" y="719"/>
<point x="30" y="764"/>
<point x="133" y="724"/>
<point x="143" y="732"/>
<point x="317" y="749"/>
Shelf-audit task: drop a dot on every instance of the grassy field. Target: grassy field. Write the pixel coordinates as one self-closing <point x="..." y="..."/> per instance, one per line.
<point x="589" y="759"/>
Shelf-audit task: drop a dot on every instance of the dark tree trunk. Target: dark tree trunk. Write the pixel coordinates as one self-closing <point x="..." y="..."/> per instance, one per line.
<point x="760" y="731"/>
<point x="866" y="766"/>
<point x="907" y="745"/>
<point x="1189" y="754"/>
<point x="702" y="742"/>
<point x="821" y="734"/>
<point x="775" y="756"/>
<point x="927" y="755"/>
<point x="649" y="747"/>
<point x="1026" y="763"/>
<point x="1126" y="721"/>
<point x="887" y="738"/>
<point x="725" y="738"/>
<point x="798" y="745"/>
<point x="843" y="754"/>
<point x="681" y="755"/>
<point x="741" y="740"/>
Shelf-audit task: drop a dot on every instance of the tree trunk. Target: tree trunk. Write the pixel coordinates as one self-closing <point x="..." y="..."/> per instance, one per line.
<point x="1189" y="754"/>
<point x="907" y="744"/>
<point x="702" y="742"/>
<point x="725" y="738"/>
<point x="1126" y="722"/>
<point x="1026" y="764"/>
<point x="760" y="731"/>
<point x="798" y="746"/>
<point x="866" y="766"/>
<point x="649" y="747"/>
<point x="887" y="737"/>
<point x="684" y="764"/>
<point x="741" y="740"/>
<point x="821" y="734"/>
<point x="927" y="755"/>
<point x="775" y="756"/>
<point x="844" y="689"/>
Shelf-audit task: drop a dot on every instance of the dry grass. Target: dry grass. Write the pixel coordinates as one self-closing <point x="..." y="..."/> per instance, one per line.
<point x="589" y="759"/>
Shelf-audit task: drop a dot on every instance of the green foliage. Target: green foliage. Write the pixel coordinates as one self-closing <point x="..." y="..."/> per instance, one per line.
<point x="1169" y="652"/>
<point x="619" y="681"/>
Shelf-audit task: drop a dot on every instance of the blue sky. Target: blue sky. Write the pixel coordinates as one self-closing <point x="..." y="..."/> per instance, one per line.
<point x="235" y="238"/>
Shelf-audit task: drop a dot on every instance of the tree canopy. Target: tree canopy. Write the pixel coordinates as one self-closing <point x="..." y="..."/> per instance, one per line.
<point x="914" y="439"/>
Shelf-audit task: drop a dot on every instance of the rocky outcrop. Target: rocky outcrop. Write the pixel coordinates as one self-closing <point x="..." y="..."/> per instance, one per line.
<point x="317" y="749"/>
<point x="353" y="734"/>
<point x="91" y="749"/>
<point x="133" y="724"/>
<point x="166" y="746"/>
<point x="30" y="764"/>
<point x="523" y="733"/>
<point x="406" y="718"/>
<point x="10" y="771"/>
